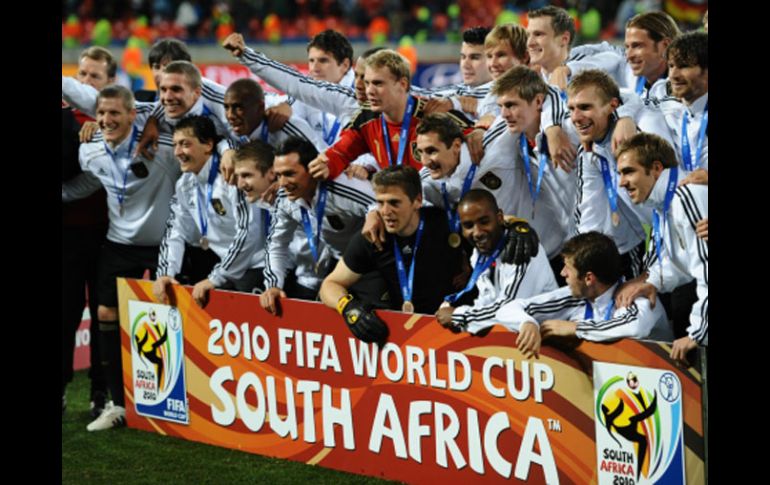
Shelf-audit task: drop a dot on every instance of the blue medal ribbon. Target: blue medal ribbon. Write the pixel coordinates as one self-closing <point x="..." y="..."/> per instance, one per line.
<point x="482" y="264"/>
<point x="689" y="163"/>
<point x="589" y="313"/>
<point x="121" y="192"/>
<point x="314" y="240"/>
<point x="640" y="82"/>
<point x="330" y="135"/>
<point x="203" y="204"/>
<point x="534" y="191"/>
<point x="609" y="184"/>
<point x="404" y="135"/>
<point x="407" y="284"/>
<point x="659" y="218"/>
<point x="452" y="217"/>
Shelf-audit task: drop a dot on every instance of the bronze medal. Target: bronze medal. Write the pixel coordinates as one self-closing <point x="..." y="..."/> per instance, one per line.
<point x="407" y="307"/>
<point x="121" y="210"/>
<point x="454" y="239"/>
<point x="615" y="219"/>
<point x="204" y="243"/>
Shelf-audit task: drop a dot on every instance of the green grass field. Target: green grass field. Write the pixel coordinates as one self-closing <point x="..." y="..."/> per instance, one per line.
<point x="137" y="457"/>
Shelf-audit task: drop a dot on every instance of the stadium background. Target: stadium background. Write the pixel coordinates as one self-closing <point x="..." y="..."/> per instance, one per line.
<point x="427" y="32"/>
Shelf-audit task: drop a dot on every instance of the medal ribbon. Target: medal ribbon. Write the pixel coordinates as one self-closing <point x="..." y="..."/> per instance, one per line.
<point x="315" y="240"/>
<point x="121" y="192"/>
<point x="534" y="192"/>
<point x="404" y="136"/>
<point x="407" y="284"/>
<point x="451" y="215"/>
<point x="203" y="205"/>
<point x="482" y="264"/>
<point x="659" y="218"/>
<point x="689" y="163"/>
<point x="610" y="186"/>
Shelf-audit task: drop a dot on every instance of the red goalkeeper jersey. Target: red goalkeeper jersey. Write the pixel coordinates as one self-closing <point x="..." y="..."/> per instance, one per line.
<point x="364" y="135"/>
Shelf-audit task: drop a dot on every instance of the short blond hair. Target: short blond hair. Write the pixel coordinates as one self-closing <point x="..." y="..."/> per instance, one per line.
<point x="397" y="64"/>
<point x="524" y="81"/>
<point x="116" y="91"/>
<point x="100" y="54"/>
<point x="188" y="70"/>
<point x="648" y="148"/>
<point x="606" y="87"/>
<point x="514" y="35"/>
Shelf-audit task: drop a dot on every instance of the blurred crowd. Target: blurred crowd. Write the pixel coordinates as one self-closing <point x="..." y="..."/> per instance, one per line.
<point x="87" y="22"/>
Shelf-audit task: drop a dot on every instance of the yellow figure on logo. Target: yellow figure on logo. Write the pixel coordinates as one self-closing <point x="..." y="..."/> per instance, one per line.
<point x="153" y="354"/>
<point x="628" y="423"/>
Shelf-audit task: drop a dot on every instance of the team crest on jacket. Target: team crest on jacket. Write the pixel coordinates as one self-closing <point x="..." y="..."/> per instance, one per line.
<point x="491" y="180"/>
<point x="139" y="169"/>
<point x="219" y="208"/>
<point x="335" y="222"/>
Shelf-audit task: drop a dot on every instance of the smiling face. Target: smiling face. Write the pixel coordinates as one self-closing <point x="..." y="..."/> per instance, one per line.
<point x="637" y="180"/>
<point x="500" y="58"/>
<point x="439" y="159"/>
<point x="177" y="94"/>
<point x="473" y="64"/>
<point x="590" y="113"/>
<point x="644" y="55"/>
<point x="688" y="82"/>
<point x="191" y="153"/>
<point x="293" y="177"/>
<point x="481" y="225"/>
<point x="251" y="181"/>
<point x="545" y="47"/>
<point x="114" y="119"/>
<point x="243" y="113"/>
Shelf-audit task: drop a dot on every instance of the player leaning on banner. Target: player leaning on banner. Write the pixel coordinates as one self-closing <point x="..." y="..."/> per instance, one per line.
<point x="211" y="216"/>
<point x="417" y="260"/>
<point x="585" y="309"/>
<point x="649" y="173"/>
<point x="497" y="282"/>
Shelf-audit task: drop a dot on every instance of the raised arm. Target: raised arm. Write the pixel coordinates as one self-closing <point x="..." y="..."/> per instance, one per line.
<point x="326" y="96"/>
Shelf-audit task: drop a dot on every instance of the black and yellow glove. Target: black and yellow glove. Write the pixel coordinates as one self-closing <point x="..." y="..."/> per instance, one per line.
<point x="362" y="321"/>
<point x="521" y="242"/>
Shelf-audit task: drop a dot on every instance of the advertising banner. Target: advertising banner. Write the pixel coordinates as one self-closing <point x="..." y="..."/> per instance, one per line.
<point x="430" y="406"/>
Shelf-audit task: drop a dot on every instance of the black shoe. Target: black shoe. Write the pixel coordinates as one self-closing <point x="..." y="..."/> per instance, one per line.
<point x="98" y="399"/>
